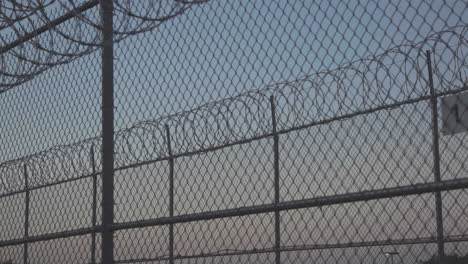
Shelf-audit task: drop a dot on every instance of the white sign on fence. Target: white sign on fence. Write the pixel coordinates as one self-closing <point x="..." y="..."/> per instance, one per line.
<point x="455" y="114"/>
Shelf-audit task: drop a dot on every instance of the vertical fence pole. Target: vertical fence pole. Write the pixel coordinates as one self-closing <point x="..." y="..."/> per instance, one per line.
<point x="107" y="131"/>
<point x="94" y="205"/>
<point x="171" y="195"/>
<point x="276" y="181"/>
<point x="436" y="157"/>
<point x="26" y="215"/>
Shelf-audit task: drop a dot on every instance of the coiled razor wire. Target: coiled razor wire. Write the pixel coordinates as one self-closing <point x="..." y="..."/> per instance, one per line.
<point x="73" y="30"/>
<point x="395" y="76"/>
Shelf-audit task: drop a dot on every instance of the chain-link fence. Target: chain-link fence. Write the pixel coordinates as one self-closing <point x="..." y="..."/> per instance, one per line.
<point x="171" y="131"/>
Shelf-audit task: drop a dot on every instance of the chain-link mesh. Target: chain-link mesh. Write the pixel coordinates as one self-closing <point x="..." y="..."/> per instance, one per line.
<point x="244" y="131"/>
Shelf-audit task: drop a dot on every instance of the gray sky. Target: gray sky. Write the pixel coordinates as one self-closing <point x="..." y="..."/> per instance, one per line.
<point x="222" y="49"/>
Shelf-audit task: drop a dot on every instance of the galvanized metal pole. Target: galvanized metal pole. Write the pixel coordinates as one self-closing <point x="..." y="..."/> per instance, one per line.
<point x="94" y="205"/>
<point x="276" y="181"/>
<point x="107" y="131"/>
<point x="171" y="195"/>
<point x="436" y="157"/>
<point x="26" y="215"/>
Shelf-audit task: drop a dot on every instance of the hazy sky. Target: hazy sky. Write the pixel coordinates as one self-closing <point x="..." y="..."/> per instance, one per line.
<point x="221" y="49"/>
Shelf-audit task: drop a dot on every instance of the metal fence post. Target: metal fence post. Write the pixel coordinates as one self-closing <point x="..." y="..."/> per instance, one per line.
<point x="436" y="157"/>
<point x="107" y="131"/>
<point x="171" y="195"/>
<point x="94" y="205"/>
<point x="26" y="215"/>
<point x="276" y="181"/>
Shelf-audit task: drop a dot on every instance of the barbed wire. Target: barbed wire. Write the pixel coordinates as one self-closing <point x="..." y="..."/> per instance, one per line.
<point x="41" y="34"/>
<point x="397" y="75"/>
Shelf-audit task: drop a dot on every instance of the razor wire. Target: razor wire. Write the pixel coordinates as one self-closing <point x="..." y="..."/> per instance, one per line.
<point x="38" y="34"/>
<point x="397" y="76"/>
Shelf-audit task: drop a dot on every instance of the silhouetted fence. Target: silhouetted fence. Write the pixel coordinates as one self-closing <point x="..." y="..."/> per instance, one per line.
<point x="361" y="161"/>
